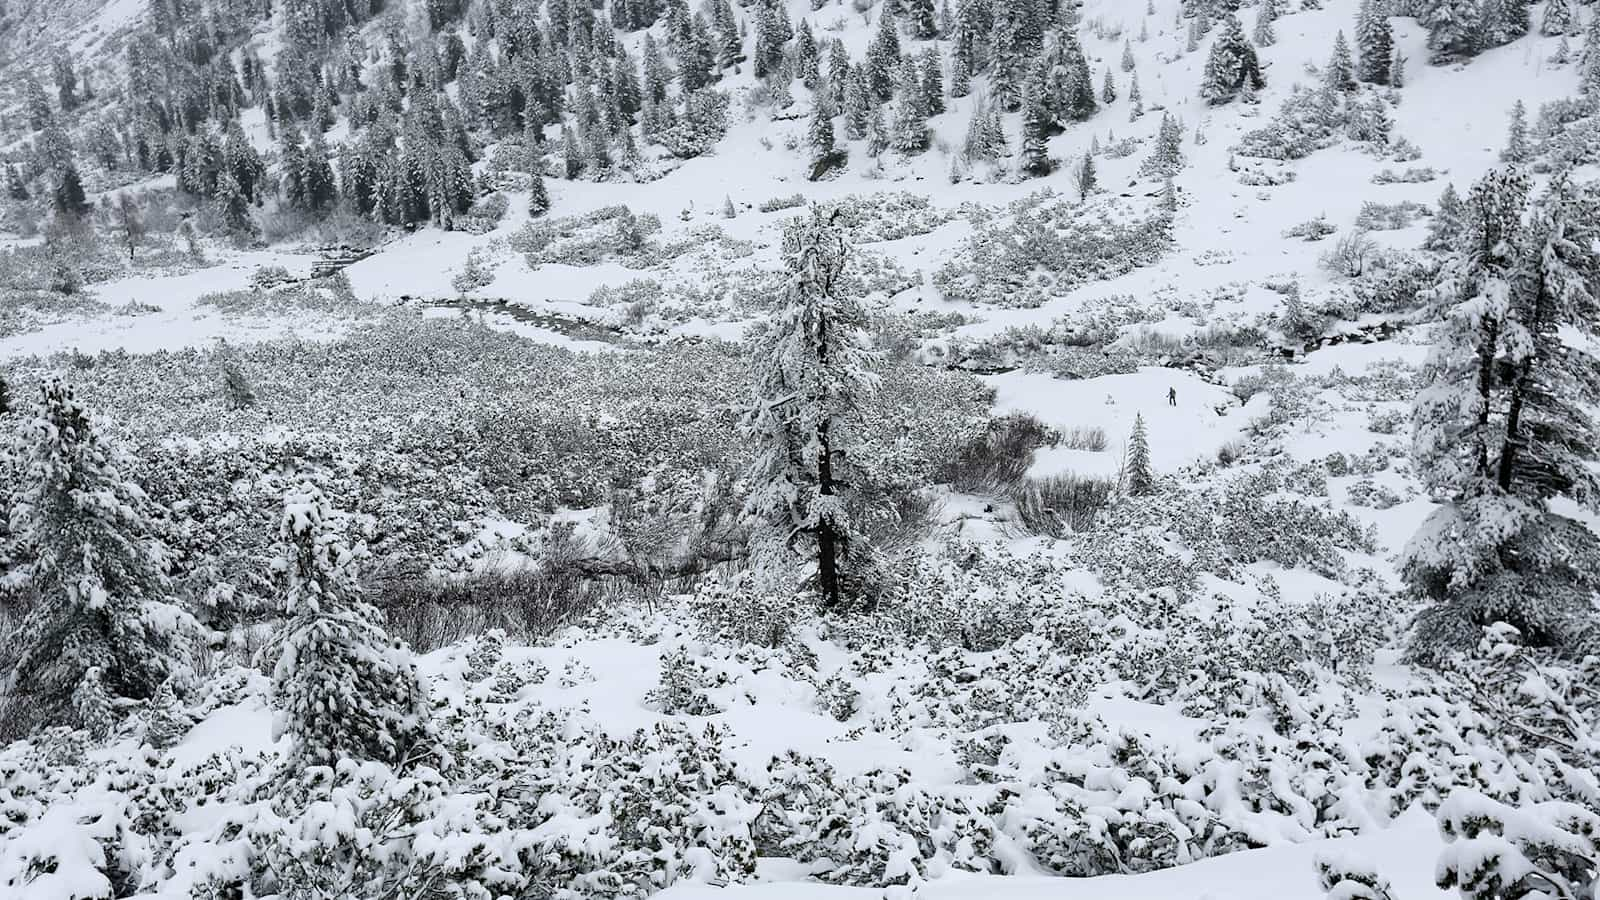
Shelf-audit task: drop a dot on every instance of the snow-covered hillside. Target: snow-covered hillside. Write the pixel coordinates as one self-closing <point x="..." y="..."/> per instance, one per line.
<point x="1007" y="449"/>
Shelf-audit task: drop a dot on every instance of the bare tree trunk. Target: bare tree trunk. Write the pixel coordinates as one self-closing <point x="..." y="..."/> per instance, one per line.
<point x="827" y="540"/>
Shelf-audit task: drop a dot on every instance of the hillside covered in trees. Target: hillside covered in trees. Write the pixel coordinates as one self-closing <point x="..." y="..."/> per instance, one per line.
<point x="800" y="449"/>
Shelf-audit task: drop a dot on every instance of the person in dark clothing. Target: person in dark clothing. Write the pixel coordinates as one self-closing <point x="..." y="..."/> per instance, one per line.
<point x="1172" y="396"/>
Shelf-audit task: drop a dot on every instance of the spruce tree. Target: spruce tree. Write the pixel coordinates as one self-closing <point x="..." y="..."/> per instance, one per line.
<point x="1108" y="91"/>
<point x="1084" y="178"/>
<point x="1516" y="149"/>
<point x="98" y="572"/>
<point x="1444" y="228"/>
<point x="1231" y="65"/>
<point x="538" y="196"/>
<point x="932" y="83"/>
<point x="1263" y="35"/>
<point x="812" y="371"/>
<point x="341" y="688"/>
<point x="1135" y="100"/>
<point x="1454" y="29"/>
<point x="1375" y="41"/>
<point x="1035" y="160"/>
<point x="1339" y="74"/>
<point x="1167" y="157"/>
<point x="1137" y="477"/>
<point x="1559" y="19"/>
<point x="1506" y="417"/>
<point x="920" y="19"/>
<point x="820" y="139"/>
<point x="1127" y="57"/>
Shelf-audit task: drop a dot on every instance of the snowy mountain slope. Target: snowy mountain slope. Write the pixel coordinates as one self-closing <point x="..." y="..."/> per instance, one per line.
<point x="1207" y="678"/>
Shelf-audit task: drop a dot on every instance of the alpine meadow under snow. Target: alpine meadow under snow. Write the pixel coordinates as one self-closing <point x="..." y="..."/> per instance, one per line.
<point x="800" y="449"/>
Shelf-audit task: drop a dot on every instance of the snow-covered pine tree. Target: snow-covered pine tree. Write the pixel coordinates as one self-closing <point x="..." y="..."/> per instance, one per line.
<point x="1263" y="35"/>
<point x="342" y="689"/>
<point x="1559" y="19"/>
<point x="1517" y="150"/>
<point x="1138" y="478"/>
<point x="1084" y="178"/>
<point x="1503" y="426"/>
<point x="1454" y="29"/>
<point x="819" y="137"/>
<point x="1127" y="57"/>
<point x="1444" y="228"/>
<point x="1167" y="157"/>
<point x="812" y="369"/>
<point x="1374" y="41"/>
<point x="1231" y="65"/>
<point x="538" y="195"/>
<point x="931" y="82"/>
<point x="98" y="571"/>
<point x="920" y="18"/>
<point x="1340" y="73"/>
<point x="883" y="55"/>
<point x="1035" y="159"/>
<point x="1135" y="100"/>
<point x="858" y="105"/>
<point x="879" y="137"/>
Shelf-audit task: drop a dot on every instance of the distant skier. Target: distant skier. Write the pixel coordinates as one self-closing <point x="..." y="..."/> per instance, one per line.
<point x="1172" y="396"/>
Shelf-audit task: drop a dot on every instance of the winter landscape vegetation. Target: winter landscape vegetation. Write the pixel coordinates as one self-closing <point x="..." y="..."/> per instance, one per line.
<point x="800" y="449"/>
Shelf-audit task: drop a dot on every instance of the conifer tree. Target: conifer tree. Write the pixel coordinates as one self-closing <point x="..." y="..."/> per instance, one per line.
<point x="1397" y="70"/>
<point x="538" y="195"/>
<point x="1263" y="35"/>
<point x="1127" y="57"/>
<point x="1231" y="65"/>
<point x="237" y="393"/>
<point x="1454" y="28"/>
<point x="1559" y="19"/>
<point x="932" y="84"/>
<point x="858" y="106"/>
<point x="1167" y="157"/>
<point x="1108" y="91"/>
<point x="1506" y="418"/>
<point x="1084" y="178"/>
<point x="920" y="19"/>
<point x="812" y="371"/>
<point x="819" y="136"/>
<point x="1339" y="74"/>
<point x="1036" y="159"/>
<point x="1516" y="149"/>
<point x="1137" y="476"/>
<point x="879" y="138"/>
<point x="1375" y="41"/>
<point x="1444" y="228"/>
<point x="341" y="688"/>
<point x="883" y="55"/>
<point x="1135" y="100"/>
<point x="98" y="571"/>
<point x="910" y="135"/>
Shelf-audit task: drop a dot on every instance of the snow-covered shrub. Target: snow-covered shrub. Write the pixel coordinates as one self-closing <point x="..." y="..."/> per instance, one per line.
<point x="1368" y="493"/>
<point x="998" y="457"/>
<point x="475" y="273"/>
<point x="1046" y="248"/>
<point x="1311" y="120"/>
<point x="1060" y="504"/>
<point x="1411" y="175"/>
<point x="684" y="680"/>
<point x="776" y="204"/>
<point x="1348" y="879"/>
<point x="1352" y="256"/>
<point x="1501" y="852"/>
<point x="1388" y="216"/>
<point x="266" y="278"/>
<point x="1312" y="229"/>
